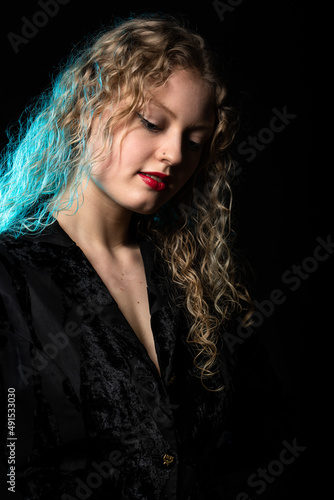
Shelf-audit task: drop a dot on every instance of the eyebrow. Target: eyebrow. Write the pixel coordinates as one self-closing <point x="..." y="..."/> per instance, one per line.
<point x="162" y="106"/>
<point x="200" y="126"/>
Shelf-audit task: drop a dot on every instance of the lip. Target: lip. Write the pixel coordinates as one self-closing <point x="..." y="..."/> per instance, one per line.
<point x="153" y="183"/>
<point x="157" y="174"/>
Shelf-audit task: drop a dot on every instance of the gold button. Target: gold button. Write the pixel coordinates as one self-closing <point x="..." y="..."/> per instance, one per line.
<point x="168" y="460"/>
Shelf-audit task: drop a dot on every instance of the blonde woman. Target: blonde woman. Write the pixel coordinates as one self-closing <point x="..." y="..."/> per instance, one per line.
<point x="117" y="275"/>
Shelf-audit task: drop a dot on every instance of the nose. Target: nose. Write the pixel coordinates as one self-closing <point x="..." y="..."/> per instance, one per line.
<point x="170" y="150"/>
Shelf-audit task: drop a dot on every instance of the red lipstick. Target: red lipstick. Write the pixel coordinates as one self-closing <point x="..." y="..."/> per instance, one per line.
<point x="148" y="178"/>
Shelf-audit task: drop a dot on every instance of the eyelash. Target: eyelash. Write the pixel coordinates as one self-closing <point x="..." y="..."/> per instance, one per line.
<point x="151" y="127"/>
<point x="148" y="125"/>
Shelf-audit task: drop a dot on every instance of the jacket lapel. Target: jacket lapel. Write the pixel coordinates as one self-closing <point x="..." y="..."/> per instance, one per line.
<point x="165" y="316"/>
<point x="69" y="268"/>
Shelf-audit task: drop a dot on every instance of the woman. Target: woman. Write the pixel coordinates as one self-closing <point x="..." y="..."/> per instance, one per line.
<point x="117" y="275"/>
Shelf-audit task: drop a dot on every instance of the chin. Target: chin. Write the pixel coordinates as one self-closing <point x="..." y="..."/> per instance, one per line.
<point x="147" y="211"/>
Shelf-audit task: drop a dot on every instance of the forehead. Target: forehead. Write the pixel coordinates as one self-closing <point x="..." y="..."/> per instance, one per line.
<point x="186" y="96"/>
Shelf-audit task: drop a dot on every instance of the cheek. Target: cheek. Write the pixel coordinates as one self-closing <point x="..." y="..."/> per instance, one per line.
<point x="100" y="155"/>
<point x="102" y="166"/>
<point x="130" y="150"/>
<point x="107" y="162"/>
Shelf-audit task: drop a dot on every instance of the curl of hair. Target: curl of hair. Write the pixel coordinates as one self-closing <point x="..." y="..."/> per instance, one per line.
<point x="49" y="155"/>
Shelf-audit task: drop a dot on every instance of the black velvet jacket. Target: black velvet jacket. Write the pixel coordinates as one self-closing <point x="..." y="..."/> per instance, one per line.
<point x="93" y="417"/>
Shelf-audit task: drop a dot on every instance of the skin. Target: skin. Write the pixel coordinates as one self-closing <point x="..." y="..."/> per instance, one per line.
<point x="166" y="136"/>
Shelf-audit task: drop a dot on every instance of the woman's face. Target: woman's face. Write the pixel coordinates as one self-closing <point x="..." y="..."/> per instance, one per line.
<point x="159" y="149"/>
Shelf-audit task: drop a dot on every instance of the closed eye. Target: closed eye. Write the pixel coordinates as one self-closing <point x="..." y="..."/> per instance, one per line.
<point x="195" y="146"/>
<point x="148" y="125"/>
<point x="151" y="127"/>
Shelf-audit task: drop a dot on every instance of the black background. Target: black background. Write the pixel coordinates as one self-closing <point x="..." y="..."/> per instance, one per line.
<point x="268" y="50"/>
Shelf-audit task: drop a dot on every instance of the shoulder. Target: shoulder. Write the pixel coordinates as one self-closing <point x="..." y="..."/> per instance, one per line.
<point x="9" y="263"/>
<point x="5" y="242"/>
<point x="25" y="258"/>
<point x="12" y="279"/>
<point x="36" y="250"/>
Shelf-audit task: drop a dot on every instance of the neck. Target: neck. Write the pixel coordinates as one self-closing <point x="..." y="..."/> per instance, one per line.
<point x="100" y="224"/>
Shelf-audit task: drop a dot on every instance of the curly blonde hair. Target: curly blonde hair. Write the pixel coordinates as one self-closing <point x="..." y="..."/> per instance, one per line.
<point x="50" y="155"/>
